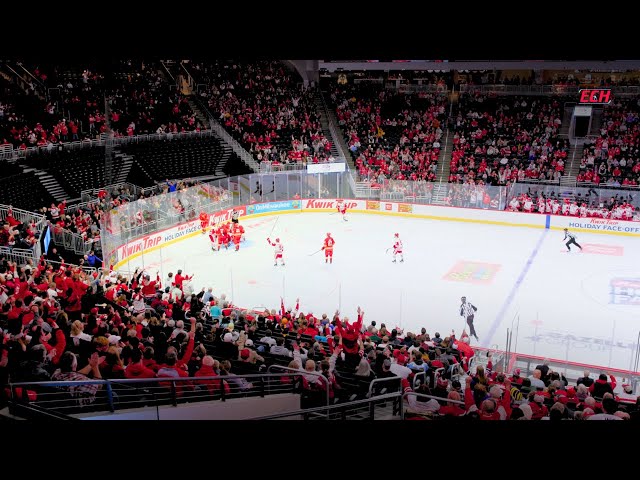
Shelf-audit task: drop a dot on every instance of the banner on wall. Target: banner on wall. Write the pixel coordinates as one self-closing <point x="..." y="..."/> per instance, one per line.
<point x="373" y="205"/>
<point x="312" y="204"/>
<point x="326" y="167"/>
<point x="596" y="224"/>
<point x="405" y="208"/>
<point x="273" y="207"/>
<point x="225" y="215"/>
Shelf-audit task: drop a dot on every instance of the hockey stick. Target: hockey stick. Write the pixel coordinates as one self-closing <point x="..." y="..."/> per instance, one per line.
<point x="274" y="226"/>
<point x="387" y="250"/>
<point x="311" y="254"/>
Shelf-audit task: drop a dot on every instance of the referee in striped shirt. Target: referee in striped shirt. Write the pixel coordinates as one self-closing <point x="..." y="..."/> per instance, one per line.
<point x="468" y="310"/>
<point x="572" y="240"/>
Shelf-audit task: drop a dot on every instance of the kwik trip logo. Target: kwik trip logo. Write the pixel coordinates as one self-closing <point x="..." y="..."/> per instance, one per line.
<point x="595" y="96"/>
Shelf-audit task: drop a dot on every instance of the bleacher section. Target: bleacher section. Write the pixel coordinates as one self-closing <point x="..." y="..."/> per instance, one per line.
<point x="75" y="170"/>
<point x="180" y="158"/>
<point x="391" y="135"/>
<point x="24" y="191"/>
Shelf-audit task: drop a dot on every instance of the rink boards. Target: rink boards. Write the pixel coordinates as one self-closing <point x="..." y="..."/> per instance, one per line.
<point x="169" y="236"/>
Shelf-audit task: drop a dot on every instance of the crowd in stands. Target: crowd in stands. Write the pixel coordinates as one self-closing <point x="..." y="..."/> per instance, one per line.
<point x="16" y="234"/>
<point x="617" y="207"/>
<point x="62" y="323"/>
<point x="70" y="105"/>
<point x="143" y="101"/>
<point x="266" y="108"/>
<point x="391" y="135"/>
<point x="613" y="158"/>
<point x="501" y="139"/>
<point x="583" y="79"/>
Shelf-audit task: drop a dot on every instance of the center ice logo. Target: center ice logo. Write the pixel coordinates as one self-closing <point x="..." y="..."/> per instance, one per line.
<point x="473" y="272"/>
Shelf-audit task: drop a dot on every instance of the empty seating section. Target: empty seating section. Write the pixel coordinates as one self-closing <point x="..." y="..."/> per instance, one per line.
<point x="24" y="191"/>
<point x="391" y="135"/>
<point x="613" y="157"/>
<point x="75" y="170"/>
<point x="177" y="158"/>
<point x="265" y="108"/>
<point x="499" y="139"/>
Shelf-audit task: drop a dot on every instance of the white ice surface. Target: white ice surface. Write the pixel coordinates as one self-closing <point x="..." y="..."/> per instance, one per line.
<point x="560" y="309"/>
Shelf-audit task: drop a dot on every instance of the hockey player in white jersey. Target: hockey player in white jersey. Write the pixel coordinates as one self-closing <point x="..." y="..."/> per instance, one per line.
<point x="342" y="209"/>
<point x="397" y="248"/>
<point x="277" y="251"/>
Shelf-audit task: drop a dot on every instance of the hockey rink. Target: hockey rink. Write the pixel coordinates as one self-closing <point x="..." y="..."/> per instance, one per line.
<point x="577" y="306"/>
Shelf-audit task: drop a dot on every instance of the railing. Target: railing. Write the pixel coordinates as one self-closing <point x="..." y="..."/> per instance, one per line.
<point x="73" y="241"/>
<point x="412" y="88"/>
<point x="146" y="394"/>
<point x="461" y="194"/>
<point x="386" y="382"/>
<point x="335" y="131"/>
<point x="15" y="153"/>
<point x="266" y="166"/>
<point x="542" y="89"/>
<point x="23" y="216"/>
<point x="245" y="156"/>
<point x="508" y="361"/>
<point x="20" y="256"/>
<point x="405" y="397"/>
<point x="368" y="80"/>
<point x="356" y="410"/>
<point x="92" y="193"/>
<point x="303" y="372"/>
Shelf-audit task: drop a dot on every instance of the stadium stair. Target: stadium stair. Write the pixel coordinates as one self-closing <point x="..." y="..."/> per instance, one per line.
<point x="444" y="158"/>
<point x="324" y="123"/>
<point x="51" y="185"/>
<point x="327" y="114"/>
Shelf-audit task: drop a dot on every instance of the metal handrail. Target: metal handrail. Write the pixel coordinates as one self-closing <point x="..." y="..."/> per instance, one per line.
<point x="383" y="380"/>
<point x="302" y="372"/>
<point x="339" y="406"/>
<point x="405" y="396"/>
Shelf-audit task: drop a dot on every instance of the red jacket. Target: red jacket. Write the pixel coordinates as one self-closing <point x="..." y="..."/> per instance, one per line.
<point x="602" y="382"/>
<point x="454" y="410"/>
<point x="137" y="370"/>
<point x="212" y="385"/>
<point x="181" y="278"/>
<point x="149" y="288"/>
<point x="350" y="335"/>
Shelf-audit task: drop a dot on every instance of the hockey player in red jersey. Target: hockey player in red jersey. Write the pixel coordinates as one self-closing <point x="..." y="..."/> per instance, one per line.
<point x="223" y="238"/>
<point x="277" y="251"/>
<point x="237" y="232"/>
<point x="329" y="242"/>
<point x="397" y="248"/>
<point x="342" y="209"/>
<point x="204" y="221"/>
